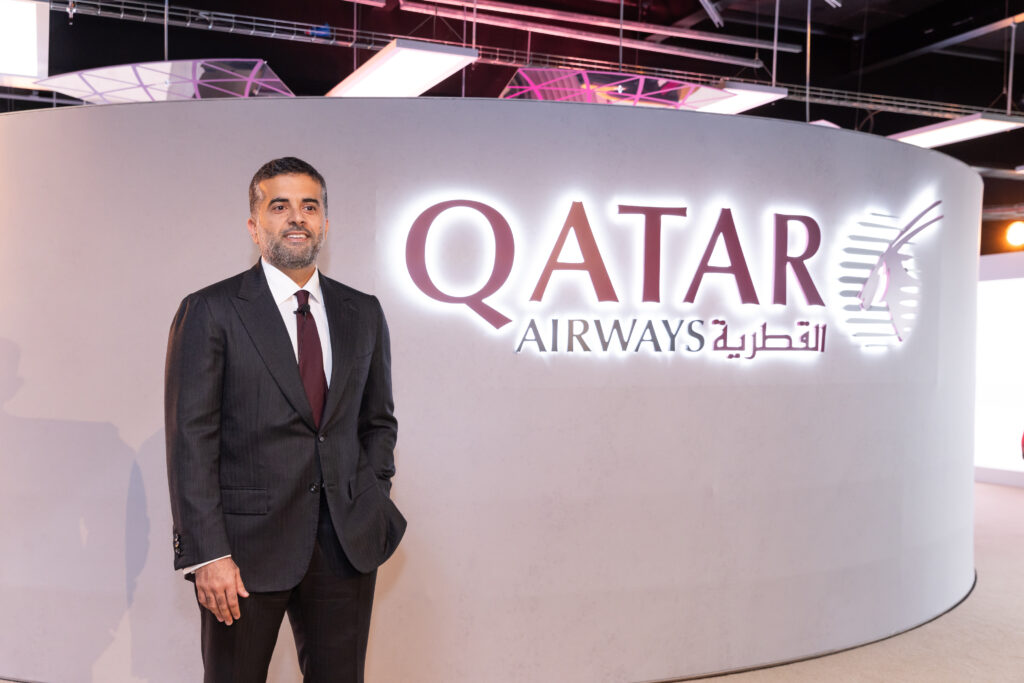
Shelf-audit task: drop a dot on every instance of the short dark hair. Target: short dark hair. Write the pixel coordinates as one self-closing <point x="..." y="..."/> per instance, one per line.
<point x="284" y="166"/>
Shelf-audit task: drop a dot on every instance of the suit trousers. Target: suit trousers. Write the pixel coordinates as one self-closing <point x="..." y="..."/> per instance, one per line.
<point x="329" y="611"/>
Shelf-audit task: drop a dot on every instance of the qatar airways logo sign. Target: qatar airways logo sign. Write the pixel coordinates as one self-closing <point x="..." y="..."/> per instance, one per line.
<point x="874" y="283"/>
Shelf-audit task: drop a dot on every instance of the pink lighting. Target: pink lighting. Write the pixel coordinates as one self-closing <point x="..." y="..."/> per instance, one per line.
<point x="602" y="87"/>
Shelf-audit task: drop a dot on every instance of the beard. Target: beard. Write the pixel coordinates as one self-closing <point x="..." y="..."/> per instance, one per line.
<point x="282" y="254"/>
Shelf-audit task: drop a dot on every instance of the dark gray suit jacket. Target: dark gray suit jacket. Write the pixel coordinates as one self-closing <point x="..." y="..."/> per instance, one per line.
<point x="242" y="449"/>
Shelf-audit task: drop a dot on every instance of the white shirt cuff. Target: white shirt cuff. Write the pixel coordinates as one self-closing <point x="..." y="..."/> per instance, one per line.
<point x="193" y="568"/>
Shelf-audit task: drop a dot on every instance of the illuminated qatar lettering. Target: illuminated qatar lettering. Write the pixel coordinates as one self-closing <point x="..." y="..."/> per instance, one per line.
<point x="652" y="244"/>
<point x="782" y="259"/>
<point x="504" y="255"/>
<point x="789" y="242"/>
<point x="577" y="223"/>
<point x="726" y="230"/>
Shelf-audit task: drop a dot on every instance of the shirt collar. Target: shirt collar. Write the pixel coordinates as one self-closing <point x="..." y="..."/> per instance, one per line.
<point x="283" y="287"/>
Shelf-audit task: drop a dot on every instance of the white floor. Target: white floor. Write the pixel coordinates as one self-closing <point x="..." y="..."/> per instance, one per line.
<point x="981" y="641"/>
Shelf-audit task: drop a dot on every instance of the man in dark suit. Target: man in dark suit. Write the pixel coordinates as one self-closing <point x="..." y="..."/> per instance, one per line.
<point x="280" y="446"/>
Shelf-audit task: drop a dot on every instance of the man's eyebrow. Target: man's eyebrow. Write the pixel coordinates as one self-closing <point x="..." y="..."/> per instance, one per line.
<point x="284" y="200"/>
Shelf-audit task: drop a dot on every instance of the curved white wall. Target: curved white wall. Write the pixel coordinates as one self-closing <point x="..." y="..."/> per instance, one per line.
<point x="574" y="516"/>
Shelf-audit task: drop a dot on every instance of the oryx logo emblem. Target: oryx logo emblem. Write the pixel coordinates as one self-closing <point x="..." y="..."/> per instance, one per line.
<point x="884" y="298"/>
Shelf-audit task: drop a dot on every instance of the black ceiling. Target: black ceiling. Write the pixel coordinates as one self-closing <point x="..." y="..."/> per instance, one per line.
<point x="897" y="48"/>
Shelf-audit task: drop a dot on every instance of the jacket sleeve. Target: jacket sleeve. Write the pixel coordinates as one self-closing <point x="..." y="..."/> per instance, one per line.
<point x="192" y="406"/>
<point x="378" y="428"/>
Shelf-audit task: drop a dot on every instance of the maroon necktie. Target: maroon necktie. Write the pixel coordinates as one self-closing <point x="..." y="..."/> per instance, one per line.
<point x="311" y="357"/>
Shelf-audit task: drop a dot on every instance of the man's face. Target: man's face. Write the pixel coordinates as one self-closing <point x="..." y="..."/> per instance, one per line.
<point x="289" y="224"/>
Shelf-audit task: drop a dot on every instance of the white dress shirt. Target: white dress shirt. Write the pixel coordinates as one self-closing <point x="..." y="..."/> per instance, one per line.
<point x="282" y="290"/>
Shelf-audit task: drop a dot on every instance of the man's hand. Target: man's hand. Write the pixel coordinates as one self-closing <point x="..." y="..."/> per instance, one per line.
<point x="218" y="586"/>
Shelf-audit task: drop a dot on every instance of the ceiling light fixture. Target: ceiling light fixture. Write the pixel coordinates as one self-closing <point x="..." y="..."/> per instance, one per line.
<point x="405" y="68"/>
<point x="958" y="130"/>
<point x="24" y="42"/>
<point x="1015" y="234"/>
<point x="745" y="96"/>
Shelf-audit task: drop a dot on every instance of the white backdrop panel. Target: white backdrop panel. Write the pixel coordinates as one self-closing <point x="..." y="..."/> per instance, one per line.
<point x="1000" y="369"/>
<point x="581" y="516"/>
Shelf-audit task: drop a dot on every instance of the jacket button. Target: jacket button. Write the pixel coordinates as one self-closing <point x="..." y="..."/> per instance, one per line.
<point x="322" y="438"/>
<point x="314" y="488"/>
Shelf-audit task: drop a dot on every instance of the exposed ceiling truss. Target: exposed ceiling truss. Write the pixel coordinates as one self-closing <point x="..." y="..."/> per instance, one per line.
<point x="322" y="34"/>
<point x="880" y="66"/>
<point x="958" y="39"/>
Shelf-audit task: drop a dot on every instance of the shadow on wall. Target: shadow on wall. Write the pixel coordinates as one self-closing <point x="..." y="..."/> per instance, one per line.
<point x="74" y="537"/>
<point x="87" y="586"/>
<point x="164" y="617"/>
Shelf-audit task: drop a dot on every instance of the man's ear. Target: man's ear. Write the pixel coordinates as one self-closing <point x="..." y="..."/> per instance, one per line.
<point x="251" y="224"/>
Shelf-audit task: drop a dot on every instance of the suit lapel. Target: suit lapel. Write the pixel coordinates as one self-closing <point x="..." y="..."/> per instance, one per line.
<point x="341" y="317"/>
<point x="262" y="320"/>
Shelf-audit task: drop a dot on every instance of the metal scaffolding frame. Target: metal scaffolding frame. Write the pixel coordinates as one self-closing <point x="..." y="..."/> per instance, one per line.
<point x="323" y="34"/>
